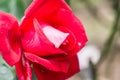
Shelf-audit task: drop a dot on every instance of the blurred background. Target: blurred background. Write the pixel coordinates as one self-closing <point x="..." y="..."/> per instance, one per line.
<point x="100" y="58"/>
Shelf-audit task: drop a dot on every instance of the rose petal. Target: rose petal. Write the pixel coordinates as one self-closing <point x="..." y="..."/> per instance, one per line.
<point x="23" y="70"/>
<point x="50" y="64"/>
<point x="20" y="70"/>
<point x="35" y="41"/>
<point x="9" y="38"/>
<point x="38" y="7"/>
<point x="67" y="19"/>
<point x="45" y="74"/>
<point x="73" y="66"/>
<point x="58" y="14"/>
<point x="55" y="36"/>
<point x="70" y="41"/>
<point x="72" y="23"/>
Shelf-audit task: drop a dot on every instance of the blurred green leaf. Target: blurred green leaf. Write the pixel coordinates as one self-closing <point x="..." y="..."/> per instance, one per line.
<point x="1" y="60"/>
<point x="15" y="7"/>
<point x="5" y="73"/>
<point x="4" y="5"/>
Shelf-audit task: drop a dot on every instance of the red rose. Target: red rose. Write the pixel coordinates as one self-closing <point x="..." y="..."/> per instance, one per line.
<point x="47" y="40"/>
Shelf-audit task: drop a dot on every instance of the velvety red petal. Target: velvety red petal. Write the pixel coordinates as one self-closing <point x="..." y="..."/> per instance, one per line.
<point x="54" y="35"/>
<point x="73" y="67"/>
<point x="35" y="41"/>
<point x="56" y="13"/>
<point x="28" y="70"/>
<point x="23" y="70"/>
<point x="20" y="70"/>
<point x="43" y="8"/>
<point x="43" y="73"/>
<point x="68" y="20"/>
<point x="50" y="64"/>
<point x="9" y="38"/>
<point x="70" y="41"/>
<point x="73" y="24"/>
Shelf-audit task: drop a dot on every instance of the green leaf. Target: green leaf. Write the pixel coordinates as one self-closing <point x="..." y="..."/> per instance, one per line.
<point x="4" y="5"/>
<point x="5" y="73"/>
<point x="15" y="7"/>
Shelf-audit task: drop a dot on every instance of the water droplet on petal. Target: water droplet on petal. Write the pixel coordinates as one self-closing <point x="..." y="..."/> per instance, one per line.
<point x="79" y="44"/>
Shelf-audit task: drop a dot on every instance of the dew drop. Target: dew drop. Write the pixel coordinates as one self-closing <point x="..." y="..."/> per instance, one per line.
<point x="79" y="44"/>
